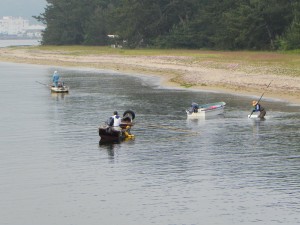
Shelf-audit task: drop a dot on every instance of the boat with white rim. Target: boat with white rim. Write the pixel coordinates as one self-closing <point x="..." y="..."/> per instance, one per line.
<point x="61" y="88"/>
<point x="205" y="110"/>
<point x="256" y="116"/>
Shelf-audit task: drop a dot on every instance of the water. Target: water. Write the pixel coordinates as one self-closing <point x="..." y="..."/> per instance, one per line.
<point x="227" y="170"/>
<point x="17" y="42"/>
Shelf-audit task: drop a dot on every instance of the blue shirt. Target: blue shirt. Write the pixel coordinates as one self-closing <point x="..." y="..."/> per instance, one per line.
<point x="256" y="108"/>
<point x="55" y="77"/>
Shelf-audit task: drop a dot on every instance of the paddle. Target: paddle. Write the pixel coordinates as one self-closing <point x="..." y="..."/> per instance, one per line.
<point x="261" y="97"/>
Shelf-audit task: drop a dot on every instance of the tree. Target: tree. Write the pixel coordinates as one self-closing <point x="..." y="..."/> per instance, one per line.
<point x="68" y="21"/>
<point x="215" y="24"/>
<point x="291" y="38"/>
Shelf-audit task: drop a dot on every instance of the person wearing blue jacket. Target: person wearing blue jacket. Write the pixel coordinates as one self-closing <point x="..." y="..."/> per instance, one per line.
<point x="55" y="78"/>
<point x="259" y="108"/>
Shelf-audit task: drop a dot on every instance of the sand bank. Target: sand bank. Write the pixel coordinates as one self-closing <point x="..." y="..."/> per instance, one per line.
<point x="188" y="71"/>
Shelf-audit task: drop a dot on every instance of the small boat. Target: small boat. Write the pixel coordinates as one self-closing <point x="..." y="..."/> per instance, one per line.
<point x="256" y="116"/>
<point x="109" y="134"/>
<point x="206" y="110"/>
<point x="61" y="88"/>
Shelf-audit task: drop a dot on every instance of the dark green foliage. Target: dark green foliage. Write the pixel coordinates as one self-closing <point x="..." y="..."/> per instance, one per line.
<point x="194" y="24"/>
<point x="291" y="38"/>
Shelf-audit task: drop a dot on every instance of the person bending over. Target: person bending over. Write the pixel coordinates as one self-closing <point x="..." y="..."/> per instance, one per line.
<point x="259" y="108"/>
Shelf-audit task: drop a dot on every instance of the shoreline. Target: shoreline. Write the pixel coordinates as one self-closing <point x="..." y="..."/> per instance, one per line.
<point x="183" y="71"/>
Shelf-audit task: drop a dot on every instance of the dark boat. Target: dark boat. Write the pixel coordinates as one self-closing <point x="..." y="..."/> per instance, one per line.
<point x="109" y="134"/>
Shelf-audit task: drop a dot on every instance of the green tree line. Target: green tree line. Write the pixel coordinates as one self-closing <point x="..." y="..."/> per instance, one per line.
<point x="193" y="24"/>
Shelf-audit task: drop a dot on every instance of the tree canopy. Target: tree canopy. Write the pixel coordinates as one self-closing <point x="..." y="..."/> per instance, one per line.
<point x="195" y="24"/>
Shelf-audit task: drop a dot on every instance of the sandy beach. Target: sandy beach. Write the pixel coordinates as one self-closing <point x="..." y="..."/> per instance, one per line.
<point x="185" y="71"/>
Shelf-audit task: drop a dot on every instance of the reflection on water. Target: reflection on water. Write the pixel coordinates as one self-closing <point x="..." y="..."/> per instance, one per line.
<point x="223" y="170"/>
<point x="58" y="96"/>
<point x="110" y="148"/>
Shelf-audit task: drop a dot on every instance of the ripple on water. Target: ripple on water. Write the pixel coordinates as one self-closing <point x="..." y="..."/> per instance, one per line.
<point x="223" y="170"/>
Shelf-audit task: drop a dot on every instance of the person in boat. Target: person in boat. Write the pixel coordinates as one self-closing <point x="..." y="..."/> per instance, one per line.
<point x="114" y="121"/>
<point x="194" y="107"/>
<point x="55" y="78"/>
<point x="258" y="108"/>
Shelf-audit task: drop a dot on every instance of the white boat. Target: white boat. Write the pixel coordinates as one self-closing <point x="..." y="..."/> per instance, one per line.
<point x="255" y="116"/>
<point x="206" y="110"/>
<point x="61" y="88"/>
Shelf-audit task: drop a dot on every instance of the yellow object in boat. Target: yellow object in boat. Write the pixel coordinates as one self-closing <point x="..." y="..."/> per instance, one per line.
<point x="127" y="135"/>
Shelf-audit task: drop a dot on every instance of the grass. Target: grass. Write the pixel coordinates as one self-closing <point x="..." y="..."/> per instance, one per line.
<point x="279" y="63"/>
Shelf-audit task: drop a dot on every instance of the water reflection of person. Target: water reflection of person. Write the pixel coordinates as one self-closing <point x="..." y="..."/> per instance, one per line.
<point x="256" y="128"/>
<point x="256" y="124"/>
<point x="109" y="147"/>
<point x="110" y="150"/>
<point x="58" y="96"/>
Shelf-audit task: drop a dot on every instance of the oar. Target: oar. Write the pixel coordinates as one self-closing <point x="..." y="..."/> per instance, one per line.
<point x="261" y="97"/>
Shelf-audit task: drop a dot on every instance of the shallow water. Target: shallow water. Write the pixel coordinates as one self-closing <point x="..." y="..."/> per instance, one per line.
<point x="224" y="170"/>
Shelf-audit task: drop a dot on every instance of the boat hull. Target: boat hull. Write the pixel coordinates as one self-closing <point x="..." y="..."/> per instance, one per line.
<point x="108" y="134"/>
<point x="206" y="113"/>
<point x="111" y="135"/>
<point x="208" y="110"/>
<point x="63" y="89"/>
<point x="256" y="116"/>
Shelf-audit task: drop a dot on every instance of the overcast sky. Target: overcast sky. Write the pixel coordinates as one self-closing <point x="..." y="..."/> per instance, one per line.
<point x="23" y="8"/>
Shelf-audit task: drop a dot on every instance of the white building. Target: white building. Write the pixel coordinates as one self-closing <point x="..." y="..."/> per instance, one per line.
<point x="34" y="31"/>
<point x="17" y="26"/>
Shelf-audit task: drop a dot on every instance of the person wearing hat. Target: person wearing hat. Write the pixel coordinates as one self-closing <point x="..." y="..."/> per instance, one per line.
<point x="258" y="108"/>
<point x="55" y="78"/>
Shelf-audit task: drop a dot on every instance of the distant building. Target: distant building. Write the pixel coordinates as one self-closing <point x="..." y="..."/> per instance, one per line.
<point x="19" y="28"/>
<point x="34" y="31"/>
<point x="115" y="41"/>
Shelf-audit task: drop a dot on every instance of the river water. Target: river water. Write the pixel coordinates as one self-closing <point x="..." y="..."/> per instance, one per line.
<point x="19" y="42"/>
<point x="219" y="171"/>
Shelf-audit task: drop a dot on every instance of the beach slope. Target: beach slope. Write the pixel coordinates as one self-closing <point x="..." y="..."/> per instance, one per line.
<point x="247" y="73"/>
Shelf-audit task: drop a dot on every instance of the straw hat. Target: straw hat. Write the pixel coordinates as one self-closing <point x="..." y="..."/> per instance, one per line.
<point x="254" y="103"/>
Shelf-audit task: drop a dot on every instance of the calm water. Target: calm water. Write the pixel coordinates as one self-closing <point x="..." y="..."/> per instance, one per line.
<point x="7" y="43"/>
<point x="222" y="171"/>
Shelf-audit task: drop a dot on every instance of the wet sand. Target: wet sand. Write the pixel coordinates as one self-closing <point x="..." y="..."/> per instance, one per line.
<point x="177" y="71"/>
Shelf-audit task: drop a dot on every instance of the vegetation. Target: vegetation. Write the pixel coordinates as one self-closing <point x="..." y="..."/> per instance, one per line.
<point x="189" y="24"/>
<point x="286" y="63"/>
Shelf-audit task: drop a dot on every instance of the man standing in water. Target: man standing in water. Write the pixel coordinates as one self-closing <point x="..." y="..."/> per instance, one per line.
<point x="55" y="78"/>
<point x="259" y="108"/>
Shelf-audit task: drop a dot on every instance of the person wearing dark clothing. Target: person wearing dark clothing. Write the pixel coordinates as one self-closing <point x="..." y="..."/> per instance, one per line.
<point x="115" y="120"/>
<point x="194" y="107"/>
<point x="259" y="108"/>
